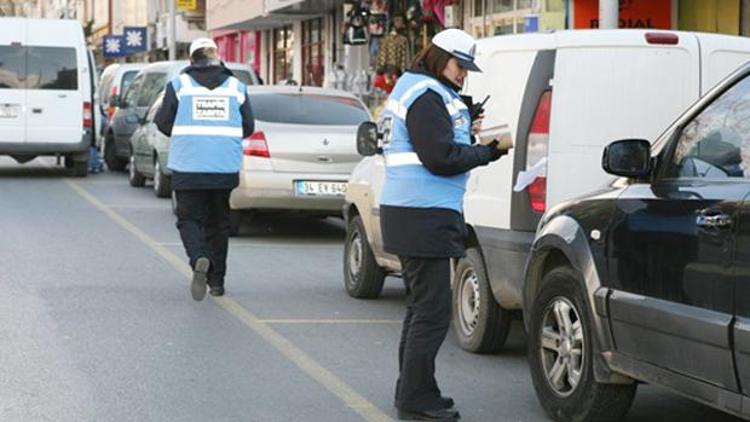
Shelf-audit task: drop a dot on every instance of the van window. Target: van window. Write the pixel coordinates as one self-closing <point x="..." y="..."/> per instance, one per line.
<point x="127" y="79"/>
<point x="51" y="68"/>
<point x="132" y="93"/>
<point x="308" y="109"/>
<point x="152" y="85"/>
<point x="12" y="66"/>
<point x="38" y="67"/>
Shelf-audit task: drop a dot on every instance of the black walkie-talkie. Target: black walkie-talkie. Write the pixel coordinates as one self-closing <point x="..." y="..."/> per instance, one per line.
<point x="478" y="109"/>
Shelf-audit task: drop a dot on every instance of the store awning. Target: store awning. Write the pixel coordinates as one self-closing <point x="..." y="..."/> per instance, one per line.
<point x="275" y="13"/>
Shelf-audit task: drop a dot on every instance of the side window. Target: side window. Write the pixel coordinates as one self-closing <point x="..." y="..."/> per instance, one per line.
<point x="132" y="93"/>
<point x="152" y="86"/>
<point x="716" y="143"/>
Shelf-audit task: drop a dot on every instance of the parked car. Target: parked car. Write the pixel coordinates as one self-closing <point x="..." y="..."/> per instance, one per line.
<point x="115" y="80"/>
<point x="46" y="91"/>
<point x="137" y="100"/>
<point x="301" y="154"/>
<point x="563" y="95"/>
<point x="646" y="280"/>
<point x="150" y="155"/>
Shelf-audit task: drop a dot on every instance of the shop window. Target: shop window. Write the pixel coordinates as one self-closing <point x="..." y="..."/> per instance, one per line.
<point x="479" y="8"/>
<point x="283" y="53"/>
<point x="312" y="53"/>
<point x="721" y="16"/>
<point x="525" y="4"/>
<point x="502" y="6"/>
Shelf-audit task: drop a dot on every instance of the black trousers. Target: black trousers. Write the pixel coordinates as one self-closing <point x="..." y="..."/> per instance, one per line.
<point x="428" y="316"/>
<point x="203" y="222"/>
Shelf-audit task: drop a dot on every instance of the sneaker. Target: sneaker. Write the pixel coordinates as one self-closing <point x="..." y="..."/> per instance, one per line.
<point x="216" y="290"/>
<point x="200" y="278"/>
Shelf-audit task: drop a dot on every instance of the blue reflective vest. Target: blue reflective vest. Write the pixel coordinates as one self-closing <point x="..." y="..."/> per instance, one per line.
<point x="407" y="182"/>
<point x="207" y="131"/>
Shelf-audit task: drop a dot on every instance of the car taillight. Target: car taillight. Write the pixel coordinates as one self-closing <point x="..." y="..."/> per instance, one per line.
<point x="538" y="146"/>
<point x="538" y="194"/>
<point x="87" y="116"/>
<point x="255" y="145"/>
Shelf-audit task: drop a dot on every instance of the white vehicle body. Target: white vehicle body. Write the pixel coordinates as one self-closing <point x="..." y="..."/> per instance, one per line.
<point x="597" y="83"/>
<point x="46" y="90"/>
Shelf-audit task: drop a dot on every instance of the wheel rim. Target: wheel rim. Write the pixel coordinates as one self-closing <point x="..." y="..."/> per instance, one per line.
<point x="468" y="301"/>
<point x="157" y="176"/>
<point x="131" y="171"/>
<point x="355" y="256"/>
<point x="562" y="346"/>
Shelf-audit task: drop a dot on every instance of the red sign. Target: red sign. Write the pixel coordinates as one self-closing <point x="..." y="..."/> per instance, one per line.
<point x="633" y="14"/>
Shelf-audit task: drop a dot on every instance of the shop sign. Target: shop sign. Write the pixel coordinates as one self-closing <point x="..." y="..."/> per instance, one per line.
<point x="633" y="14"/>
<point x="188" y="5"/>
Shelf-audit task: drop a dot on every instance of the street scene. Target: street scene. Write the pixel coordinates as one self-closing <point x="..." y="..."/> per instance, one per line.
<point x="316" y="210"/>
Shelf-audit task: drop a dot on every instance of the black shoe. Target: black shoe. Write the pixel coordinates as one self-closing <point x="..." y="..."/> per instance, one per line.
<point x="442" y="415"/>
<point x="216" y="290"/>
<point x="200" y="278"/>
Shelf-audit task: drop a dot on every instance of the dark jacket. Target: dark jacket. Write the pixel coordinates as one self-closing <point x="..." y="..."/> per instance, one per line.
<point x="433" y="232"/>
<point x="209" y="75"/>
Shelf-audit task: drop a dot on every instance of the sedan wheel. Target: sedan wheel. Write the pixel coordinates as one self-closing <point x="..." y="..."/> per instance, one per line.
<point x="162" y="182"/>
<point x="135" y="177"/>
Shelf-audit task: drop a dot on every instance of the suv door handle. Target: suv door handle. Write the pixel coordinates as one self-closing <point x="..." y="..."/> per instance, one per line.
<point x="719" y="221"/>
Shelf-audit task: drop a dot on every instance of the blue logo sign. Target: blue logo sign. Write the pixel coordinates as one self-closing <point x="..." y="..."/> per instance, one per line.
<point x="114" y="46"/>
<point x="135" y="38"/>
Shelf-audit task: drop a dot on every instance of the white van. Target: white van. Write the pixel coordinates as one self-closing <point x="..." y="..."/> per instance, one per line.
<point x="565" y="96"/>
<point x="45" y="91"/>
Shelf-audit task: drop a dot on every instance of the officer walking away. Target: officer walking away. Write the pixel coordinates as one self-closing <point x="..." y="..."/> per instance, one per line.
<point x="206" y="111"/>
<point x="427" y="161"/>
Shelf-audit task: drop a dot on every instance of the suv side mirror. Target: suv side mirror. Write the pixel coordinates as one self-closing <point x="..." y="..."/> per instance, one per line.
<point x="367" y="139"/>
<point x="628" y="157"/>
<point x="114" y="101"/>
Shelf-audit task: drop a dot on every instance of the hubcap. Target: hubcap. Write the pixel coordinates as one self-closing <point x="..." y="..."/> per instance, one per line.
<point x="562" y="346"/>
<point x="157" y="175"/>
<point x="132" y="167"/>
<point x="468" y="303"/>
<point x="355" y="255"/>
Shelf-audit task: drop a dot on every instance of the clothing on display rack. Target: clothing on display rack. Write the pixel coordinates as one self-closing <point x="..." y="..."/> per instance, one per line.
<point x="393" y="53"/>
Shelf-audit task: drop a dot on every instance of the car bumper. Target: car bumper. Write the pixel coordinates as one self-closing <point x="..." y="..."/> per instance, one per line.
<point x="46" y="148"/>
<point x="270" y="190"/>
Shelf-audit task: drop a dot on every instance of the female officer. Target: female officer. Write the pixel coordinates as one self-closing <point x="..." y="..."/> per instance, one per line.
<point x="428" y="157"/>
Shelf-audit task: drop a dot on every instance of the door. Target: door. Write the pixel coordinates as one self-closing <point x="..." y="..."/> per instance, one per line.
<point x="672" y="245"/>
<point x="55" y="83"/>
<point x="12" y="82"/>
<point x="125" y="120"/>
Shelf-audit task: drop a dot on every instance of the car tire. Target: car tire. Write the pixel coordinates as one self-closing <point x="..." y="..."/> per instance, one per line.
<point x="80" y="168"/>
<point x="561" y="317"/>
<point x="235" y="222"/>
<point x="480" y="324"/>
<point x="162" y="182"/>
<point x="136" y="178"/>
<point x="363" y="277"/>
<point x="114" y="162"/>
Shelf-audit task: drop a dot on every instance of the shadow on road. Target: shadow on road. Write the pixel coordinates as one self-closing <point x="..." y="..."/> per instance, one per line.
<point x="293" y="228"/>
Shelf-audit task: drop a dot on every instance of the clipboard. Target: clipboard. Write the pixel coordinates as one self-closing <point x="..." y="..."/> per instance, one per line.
<point x="500" y="132"/>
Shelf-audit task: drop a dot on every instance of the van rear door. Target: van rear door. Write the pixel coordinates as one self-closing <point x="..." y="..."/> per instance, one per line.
<point x="56" y="83"/>
<point x="720" y="56"/>
<point x="612" y="85"/>
<point x="12" y="74"/>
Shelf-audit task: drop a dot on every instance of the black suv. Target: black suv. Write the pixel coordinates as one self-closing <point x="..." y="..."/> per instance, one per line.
<point x="649" y="279"/>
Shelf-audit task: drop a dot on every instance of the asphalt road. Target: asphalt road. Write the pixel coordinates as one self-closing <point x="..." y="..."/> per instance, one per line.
<point x="97" y="324"/>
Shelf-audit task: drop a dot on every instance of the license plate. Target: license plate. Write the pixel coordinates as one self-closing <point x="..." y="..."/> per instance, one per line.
<point x="9" y="111"/>
<point x="312" y="188"/>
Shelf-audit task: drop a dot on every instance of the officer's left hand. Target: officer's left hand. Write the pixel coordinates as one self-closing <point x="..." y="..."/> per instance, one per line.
<point x="476" y="125"/>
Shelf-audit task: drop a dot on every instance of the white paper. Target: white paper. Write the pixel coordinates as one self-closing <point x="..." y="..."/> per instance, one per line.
<point x="527" y="177"/>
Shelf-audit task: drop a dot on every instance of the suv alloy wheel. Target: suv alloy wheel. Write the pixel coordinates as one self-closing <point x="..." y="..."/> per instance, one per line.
<point x="561" y="355"/>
